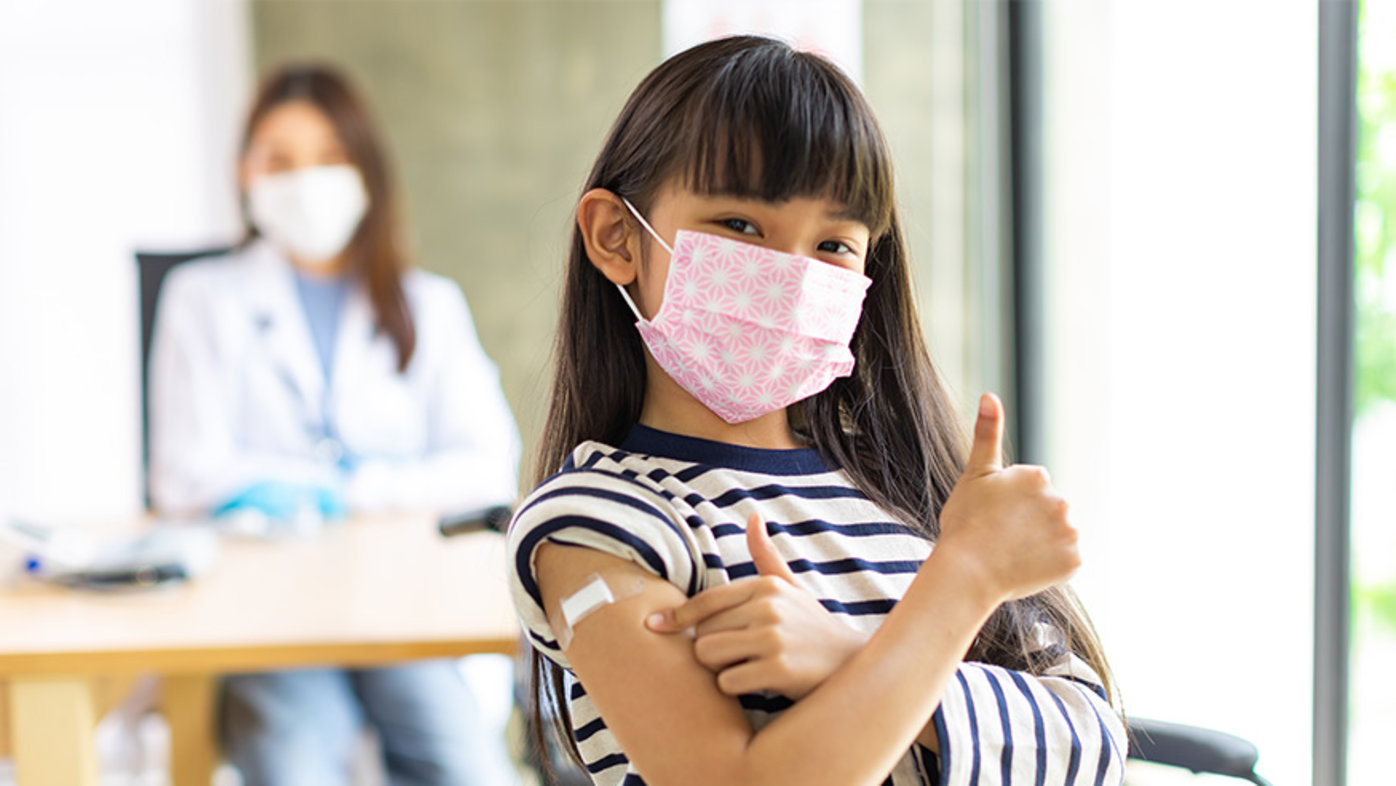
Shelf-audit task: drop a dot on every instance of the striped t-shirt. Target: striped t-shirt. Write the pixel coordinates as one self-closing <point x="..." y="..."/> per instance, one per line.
<point x="677" y="506"/>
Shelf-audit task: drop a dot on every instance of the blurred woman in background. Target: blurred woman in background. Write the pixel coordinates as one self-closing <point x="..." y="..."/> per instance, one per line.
<point x="311" y="373"/>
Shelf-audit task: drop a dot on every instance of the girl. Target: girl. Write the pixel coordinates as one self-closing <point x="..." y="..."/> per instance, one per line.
<point x="742" y="390"/>
<point x="311" y="369"/>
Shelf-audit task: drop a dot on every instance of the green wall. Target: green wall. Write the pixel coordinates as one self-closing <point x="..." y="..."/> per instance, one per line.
<point x="494" y="110"/>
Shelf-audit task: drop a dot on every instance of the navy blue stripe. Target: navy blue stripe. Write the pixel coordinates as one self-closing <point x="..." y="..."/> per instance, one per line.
<point x="834" y="567"/>
<point x="695" y="471"/>
<point x="973" y="731"/>
<point x="1074" y="764"/>
<point x="772" y="704"/>
<point x="546" y="642"/>
<point x="741" y="570"/>
<point x="1006" y="756"/>
<point x="1107" y="746"/>
<point x="631" y="779"/>
<point x="859" y="608"/>
<point x="1104" y="763"/>
<point x="596" y="493"/>
<point x="586" y="730"/>
<point x="540" y="532"/>
<point x="774" y="490"/>
<point x="724" y="455"/>
<point x="607" y="762"/>
<point x="816" y="526"/>
<point x="576" y="691"/>
<point x="713" y="560"/>
<point x="1096" y="689"/>
<point x="1038" y="727"/>
<point x="591" y="460"/>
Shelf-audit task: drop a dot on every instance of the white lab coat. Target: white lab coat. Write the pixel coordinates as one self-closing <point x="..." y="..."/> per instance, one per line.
<point x="237" y="395"/>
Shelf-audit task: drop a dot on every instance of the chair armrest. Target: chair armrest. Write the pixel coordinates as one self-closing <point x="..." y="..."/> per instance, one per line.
<point x="1197" y="749"/>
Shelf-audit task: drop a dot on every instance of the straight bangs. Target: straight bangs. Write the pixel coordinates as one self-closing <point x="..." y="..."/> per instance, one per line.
<point x="775" y="124"/>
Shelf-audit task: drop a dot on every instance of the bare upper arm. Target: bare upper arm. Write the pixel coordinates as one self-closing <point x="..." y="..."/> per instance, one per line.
<point x="663" y="707"/>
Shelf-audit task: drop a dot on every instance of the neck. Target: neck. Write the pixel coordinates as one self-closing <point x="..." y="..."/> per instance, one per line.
<point x="670" y="408"/>
<point x="322" y="269"/>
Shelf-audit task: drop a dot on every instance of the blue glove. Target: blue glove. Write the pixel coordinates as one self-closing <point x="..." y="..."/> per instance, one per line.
<point x="285" y="501"/>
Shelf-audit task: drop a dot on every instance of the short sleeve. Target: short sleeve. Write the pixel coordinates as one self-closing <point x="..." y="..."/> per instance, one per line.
<point x="607" y="511"/>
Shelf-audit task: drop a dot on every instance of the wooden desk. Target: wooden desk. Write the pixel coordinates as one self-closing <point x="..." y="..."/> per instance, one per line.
<point x="369" y="591"/>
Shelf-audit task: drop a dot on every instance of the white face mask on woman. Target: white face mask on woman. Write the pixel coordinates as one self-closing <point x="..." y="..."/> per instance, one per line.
<point x="309" y="213"/>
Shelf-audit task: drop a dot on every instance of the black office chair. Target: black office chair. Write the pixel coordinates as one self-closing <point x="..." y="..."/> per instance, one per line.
<point x="1193" y="748"/>
<point x="151" y="270"/>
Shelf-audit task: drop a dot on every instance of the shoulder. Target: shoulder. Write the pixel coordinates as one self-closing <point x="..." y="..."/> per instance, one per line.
<point x="588" y="487"/>
<point x="593" y="506"/>
<point x="619" y="513"/>
<point x="203" y="289"/>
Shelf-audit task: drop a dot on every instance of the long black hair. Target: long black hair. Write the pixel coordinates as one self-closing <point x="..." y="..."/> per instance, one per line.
<point x="751" y="117"/>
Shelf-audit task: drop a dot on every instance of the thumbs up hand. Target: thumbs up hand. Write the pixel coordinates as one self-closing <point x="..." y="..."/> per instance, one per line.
<point x="1007" y="522"/>
<point x="764" y="632"/>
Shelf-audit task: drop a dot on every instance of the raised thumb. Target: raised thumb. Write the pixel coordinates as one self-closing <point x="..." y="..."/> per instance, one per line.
<point x="763" y="552"/>
<point x="986" y="455"/>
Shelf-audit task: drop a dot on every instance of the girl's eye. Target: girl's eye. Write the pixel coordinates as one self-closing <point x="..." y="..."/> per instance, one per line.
<point x="835" y="247"/>
<point x="739" y="225"/>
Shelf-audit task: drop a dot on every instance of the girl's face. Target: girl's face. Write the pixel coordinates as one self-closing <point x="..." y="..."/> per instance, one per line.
<point x="294" y="135"/>
<point x="817" y="228"/>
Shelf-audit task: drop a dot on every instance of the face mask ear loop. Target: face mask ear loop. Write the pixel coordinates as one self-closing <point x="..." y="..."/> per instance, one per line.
<point x="646" y="225"/>
<point x="667" y="247"/>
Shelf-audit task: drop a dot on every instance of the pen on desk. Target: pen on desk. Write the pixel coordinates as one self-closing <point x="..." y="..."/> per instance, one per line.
<point x="493" y="519"/>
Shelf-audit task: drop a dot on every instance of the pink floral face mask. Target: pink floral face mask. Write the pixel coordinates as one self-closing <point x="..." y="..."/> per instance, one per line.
<point x="748" y="330"/>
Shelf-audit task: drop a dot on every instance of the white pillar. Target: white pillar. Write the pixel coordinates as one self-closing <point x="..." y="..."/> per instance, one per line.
<point x="117" y="123"/>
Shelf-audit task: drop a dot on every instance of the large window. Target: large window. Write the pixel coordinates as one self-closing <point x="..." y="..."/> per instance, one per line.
<point x="1179" y="351"/>
<point x="1373" y="691"/>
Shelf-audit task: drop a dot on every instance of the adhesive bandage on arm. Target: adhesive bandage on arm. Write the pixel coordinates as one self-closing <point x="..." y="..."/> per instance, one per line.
<point x="596" y="594"/>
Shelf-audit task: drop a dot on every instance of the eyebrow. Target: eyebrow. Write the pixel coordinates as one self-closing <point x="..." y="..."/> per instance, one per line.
<point x="844" y="214"/>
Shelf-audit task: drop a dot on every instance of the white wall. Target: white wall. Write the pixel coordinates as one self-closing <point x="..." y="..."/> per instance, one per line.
<point x="117" y="128"/>
<point x="1181" y="152"/>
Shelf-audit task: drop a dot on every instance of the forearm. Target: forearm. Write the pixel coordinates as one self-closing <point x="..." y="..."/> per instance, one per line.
<point x="875" y="707"/>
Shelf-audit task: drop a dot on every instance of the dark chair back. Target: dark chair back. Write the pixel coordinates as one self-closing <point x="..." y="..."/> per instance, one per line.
<point x="151" y="270"/>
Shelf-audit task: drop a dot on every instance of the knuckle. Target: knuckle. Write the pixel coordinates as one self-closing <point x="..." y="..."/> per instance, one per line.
<point x="727" y="684"/>
<point x="703" y="649"/>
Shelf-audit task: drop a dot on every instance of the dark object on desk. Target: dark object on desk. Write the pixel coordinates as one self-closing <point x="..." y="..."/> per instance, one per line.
<point x="152" y="269"/>
<point x="492" y="519"/>
<point x="128" y="578"/>
<point x="1196" y="749"/>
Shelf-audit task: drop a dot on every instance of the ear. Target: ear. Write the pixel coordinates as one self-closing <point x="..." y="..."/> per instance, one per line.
<point x="609" y="234"/>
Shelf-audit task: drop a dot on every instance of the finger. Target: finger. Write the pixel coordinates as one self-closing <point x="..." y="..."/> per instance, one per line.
<point x="718" y="651"/>
<point x="700" y="607"/>
<point x="763" y="551"/>
<point x="748" y="677"/>
<point x="986" y="455"/>
<point x="746" y="615"/>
